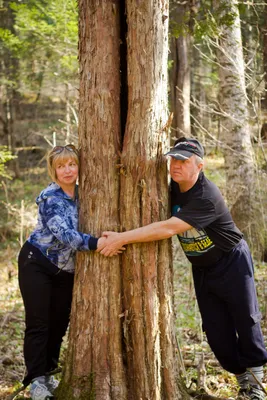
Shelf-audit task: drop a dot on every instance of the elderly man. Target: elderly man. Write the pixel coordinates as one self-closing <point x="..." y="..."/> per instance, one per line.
<point x="221" y="263"/>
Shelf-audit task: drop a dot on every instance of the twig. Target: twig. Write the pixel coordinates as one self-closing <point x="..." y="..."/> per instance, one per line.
<point x="201" y="373"/>
<point x="180" y="357"/>
<point x="257" y="380"/>
<point x="21" y="222"/>
<point x="7" y="199"/>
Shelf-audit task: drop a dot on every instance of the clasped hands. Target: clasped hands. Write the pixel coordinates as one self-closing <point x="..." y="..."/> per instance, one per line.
<point x="110" y="244"/>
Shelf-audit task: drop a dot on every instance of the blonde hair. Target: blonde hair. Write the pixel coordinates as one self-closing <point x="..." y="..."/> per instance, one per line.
<point x="60" y="154"/>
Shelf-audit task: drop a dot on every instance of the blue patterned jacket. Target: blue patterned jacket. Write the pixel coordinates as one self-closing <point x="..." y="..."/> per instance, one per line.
<point x="56" y="234"/>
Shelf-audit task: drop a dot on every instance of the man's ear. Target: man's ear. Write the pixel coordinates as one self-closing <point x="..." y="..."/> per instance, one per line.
<point x="201" y="166"/>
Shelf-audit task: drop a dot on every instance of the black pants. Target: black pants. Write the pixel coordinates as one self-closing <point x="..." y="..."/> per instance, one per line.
<point x="228" y="305"/>
<point x="47" y="294"/>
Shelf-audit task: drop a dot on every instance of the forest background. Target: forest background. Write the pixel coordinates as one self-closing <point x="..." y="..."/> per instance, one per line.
<point x="39" y="108"/>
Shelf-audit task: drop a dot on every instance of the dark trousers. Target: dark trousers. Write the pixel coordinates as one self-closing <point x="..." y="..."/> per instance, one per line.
<point x="47" y="294"/>
<point x="228" y="305"/>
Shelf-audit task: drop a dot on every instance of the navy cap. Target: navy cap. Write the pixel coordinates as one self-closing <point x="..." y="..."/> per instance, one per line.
<point x="184" y="149"/>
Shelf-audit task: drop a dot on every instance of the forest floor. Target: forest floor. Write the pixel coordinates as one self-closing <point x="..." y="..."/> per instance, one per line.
<point x="18" y="200"/>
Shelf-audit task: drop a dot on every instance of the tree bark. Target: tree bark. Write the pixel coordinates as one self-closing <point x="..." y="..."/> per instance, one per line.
<point x="238" y="152"/>
<point x="94" y="367"/>
<point x="147" y="275"/>
<point x="122" y="341"/>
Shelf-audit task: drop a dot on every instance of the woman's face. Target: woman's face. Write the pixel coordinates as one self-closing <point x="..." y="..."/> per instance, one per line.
<point x="67" y="172"/>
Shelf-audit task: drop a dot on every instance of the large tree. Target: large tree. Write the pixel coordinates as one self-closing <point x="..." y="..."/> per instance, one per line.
<point x="122" y="341"/>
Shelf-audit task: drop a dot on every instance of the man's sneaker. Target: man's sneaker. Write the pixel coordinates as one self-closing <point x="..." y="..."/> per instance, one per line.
<point x="256" y="393"/>
<point x="39" y="391"/>
<point x="51" y="383"/>
<point x="243" y="394"/>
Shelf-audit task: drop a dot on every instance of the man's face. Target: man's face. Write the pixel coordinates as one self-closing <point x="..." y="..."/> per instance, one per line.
<point x="184" y="171"/>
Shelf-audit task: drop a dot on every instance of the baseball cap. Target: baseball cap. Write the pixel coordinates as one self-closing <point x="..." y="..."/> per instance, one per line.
<point x="184" y="148"/>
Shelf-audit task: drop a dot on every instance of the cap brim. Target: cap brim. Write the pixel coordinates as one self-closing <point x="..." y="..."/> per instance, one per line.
<point x="180" y="155"/>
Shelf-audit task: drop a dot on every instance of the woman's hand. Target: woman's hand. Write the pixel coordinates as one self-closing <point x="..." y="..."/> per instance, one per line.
<point x="110" y="244"/>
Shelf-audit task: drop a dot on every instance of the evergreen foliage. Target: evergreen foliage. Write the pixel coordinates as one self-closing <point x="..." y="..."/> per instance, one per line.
<point x="44" y="39"/>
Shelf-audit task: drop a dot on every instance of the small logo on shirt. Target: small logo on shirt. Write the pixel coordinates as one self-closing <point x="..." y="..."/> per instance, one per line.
<point x="194" y="242"/>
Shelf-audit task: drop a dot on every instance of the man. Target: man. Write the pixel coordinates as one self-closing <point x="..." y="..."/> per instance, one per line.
<point x="221" y="262"/>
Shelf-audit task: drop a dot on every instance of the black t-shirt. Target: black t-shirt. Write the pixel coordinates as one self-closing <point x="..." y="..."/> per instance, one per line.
<point x="214" y="231"/>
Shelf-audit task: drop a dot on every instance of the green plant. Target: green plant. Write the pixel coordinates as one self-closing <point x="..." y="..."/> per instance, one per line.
<point x="5" y="155"/>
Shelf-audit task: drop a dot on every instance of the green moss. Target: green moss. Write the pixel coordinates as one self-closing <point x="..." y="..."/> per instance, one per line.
<point x="86" y="386"/>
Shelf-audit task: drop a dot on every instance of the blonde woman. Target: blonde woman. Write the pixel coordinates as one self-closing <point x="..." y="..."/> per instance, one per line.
<point x="46" y="270"/>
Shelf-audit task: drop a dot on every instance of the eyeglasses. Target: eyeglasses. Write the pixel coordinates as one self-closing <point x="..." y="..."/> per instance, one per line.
<point x="69" y="147"/>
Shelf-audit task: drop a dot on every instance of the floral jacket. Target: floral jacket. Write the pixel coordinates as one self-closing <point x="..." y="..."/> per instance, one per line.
<point x="56" y="234"/>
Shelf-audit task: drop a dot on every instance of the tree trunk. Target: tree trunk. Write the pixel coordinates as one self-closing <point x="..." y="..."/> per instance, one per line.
<point x="147" y="275"/>
<point x="94" y="366"/>
<point x="180" y="73"/>
<point x="9" y="68"/>
<point x="122" y="341"/>
<point x="238" y="152"/>
<point x="265" y="56"/>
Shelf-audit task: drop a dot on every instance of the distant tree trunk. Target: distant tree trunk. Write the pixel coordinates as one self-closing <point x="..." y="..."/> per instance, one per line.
<point x="200" y="80"/>
<point x="9" y="67"/>
<point x="122" y="341"/>
<point x="180" y="71"/>
<point x="265" y="55"/>
<point x="238" y="152"/>
<point x="67" y="113"/>
<point x="197" y="92"/>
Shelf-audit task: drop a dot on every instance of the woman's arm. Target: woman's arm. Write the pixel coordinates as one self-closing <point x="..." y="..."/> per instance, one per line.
<point x="61" y="219"/>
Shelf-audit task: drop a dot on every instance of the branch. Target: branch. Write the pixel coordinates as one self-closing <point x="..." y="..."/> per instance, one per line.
<point x="222" y="144"/>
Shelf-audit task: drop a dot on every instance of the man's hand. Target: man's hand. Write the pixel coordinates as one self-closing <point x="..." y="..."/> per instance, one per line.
<point x="110" y="244"/>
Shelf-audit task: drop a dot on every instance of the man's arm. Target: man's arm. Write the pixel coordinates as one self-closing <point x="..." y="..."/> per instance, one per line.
<point x="149" y="233"/>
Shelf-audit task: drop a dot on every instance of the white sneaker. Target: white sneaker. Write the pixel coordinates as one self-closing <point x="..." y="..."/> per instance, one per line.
<point x="51" y="383"/>
<point x="256" y="393"/>
<point x="39" y="391"/>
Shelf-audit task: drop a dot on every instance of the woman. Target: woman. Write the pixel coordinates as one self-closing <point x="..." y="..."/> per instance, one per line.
<point x="46" y="270"/>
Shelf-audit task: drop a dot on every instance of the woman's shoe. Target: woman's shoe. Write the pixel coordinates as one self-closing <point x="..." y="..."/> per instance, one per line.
<point x="39" y="391"/>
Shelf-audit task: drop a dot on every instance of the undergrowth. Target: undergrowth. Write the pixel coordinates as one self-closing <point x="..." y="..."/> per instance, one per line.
<point x="16" y="221"/>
